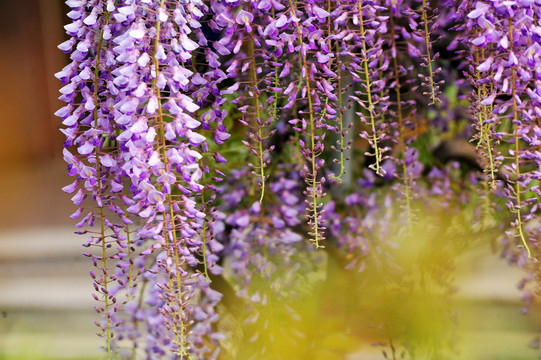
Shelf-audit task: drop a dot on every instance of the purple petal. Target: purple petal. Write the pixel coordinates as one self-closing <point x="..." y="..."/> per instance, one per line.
<point x="79" y="197"/>
<point x="320" y="13"/>
<point x="489" y="100"/>
<point x="244" y="17"/>
<point x="70" y="189"/>
<point x="485" y="65"/>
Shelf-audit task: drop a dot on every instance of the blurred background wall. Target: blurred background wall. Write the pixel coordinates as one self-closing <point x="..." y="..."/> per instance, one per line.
<point x="30" y="143"/>
<point x="45" y="303"/>
<point x="29" y="33"/>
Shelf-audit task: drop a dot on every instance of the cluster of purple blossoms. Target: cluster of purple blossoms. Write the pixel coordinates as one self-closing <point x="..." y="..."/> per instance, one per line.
<point x="158" y="93"/>
<point x="131" y="116"/>
<point x="503" y="60"/>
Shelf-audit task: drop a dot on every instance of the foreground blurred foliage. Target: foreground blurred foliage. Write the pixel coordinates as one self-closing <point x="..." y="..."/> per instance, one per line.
<point x="402" y="300"/>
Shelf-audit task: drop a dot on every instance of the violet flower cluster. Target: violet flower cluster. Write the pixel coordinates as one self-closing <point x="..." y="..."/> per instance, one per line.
<point x="131" y="116"/>
<point x="201" y="136"/>
<point x="503" y="66"/>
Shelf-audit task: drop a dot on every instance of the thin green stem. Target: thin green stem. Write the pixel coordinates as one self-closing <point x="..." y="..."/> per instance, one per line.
<point x="486" y="204"/>
<point x="128" y="240"/>
<point x="299" y="157"/>
<point x="340" y="115"/>
<point x="369" y="92"/>
<point x="181" y="342"/>
<point x="402" y="142"/>
<point x="205" y="239"/>
<point x="99" y="184"/>
<point x="479" y="95"/>
<point x="484" y="138"/>
<point x="276" y="82"/>
<point x="429" y="59"/>
<point x="339" y="79"/>
<point x="130" y="266"/>
<point x="259" y="121"/>
<point x="485" y="130"/>
<point x="517" y="149"/>
<point x="313" y="179"/>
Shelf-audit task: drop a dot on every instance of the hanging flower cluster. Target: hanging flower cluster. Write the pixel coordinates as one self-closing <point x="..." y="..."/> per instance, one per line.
<point x="131" y="116"/>
<point x="201" y="136"/>
<point x="503" y="62"/>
